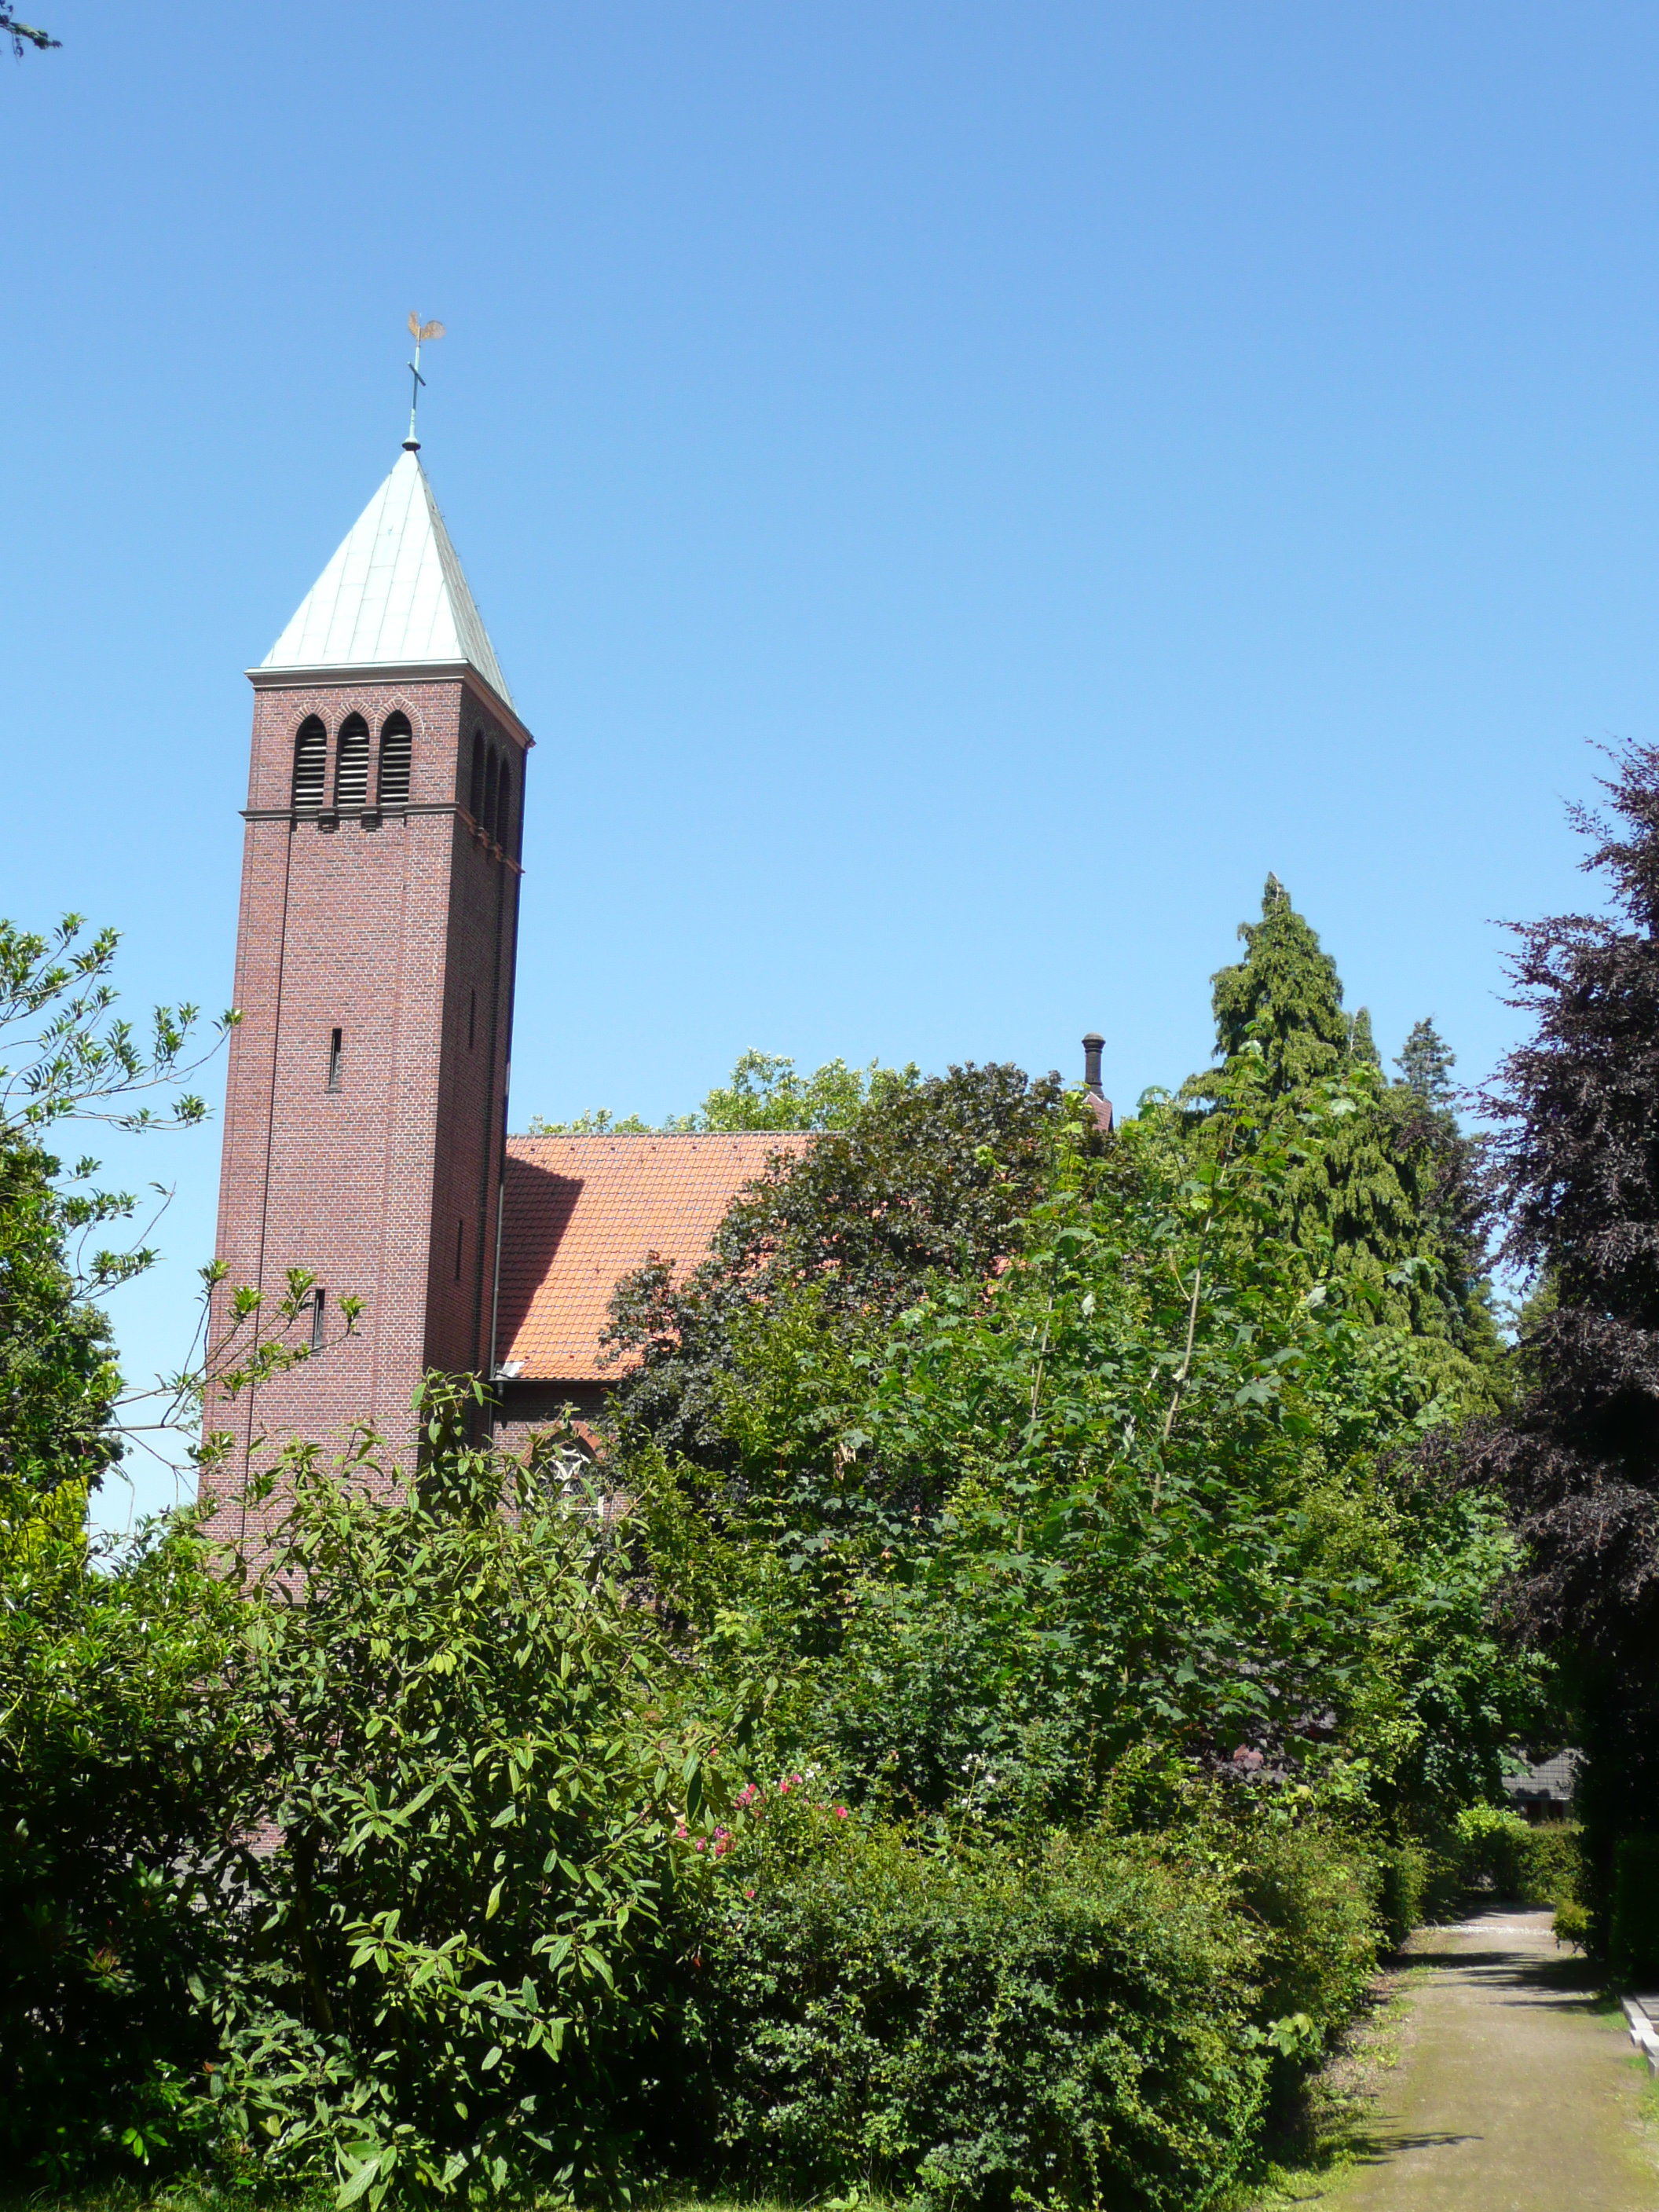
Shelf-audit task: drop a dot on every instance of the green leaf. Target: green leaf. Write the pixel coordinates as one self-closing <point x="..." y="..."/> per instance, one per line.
<point x="358" y="2180"/>
<point x="597" y="1961"/>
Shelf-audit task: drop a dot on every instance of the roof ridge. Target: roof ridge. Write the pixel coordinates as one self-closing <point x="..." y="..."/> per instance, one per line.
<point x="637" y="1136"/>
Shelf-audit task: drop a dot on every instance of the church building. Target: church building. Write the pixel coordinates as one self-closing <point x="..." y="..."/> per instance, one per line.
<point x="366" y="1130"/>
<point x="366" y="1106"/>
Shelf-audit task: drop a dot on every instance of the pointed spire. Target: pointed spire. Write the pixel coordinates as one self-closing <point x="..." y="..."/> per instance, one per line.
<point x="394" y="594"/>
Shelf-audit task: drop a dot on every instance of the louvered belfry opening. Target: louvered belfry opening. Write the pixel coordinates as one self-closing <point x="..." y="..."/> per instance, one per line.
<point x="397" y="748"/>
<point x="351" y="768"/>
<point x="310" y="765"/>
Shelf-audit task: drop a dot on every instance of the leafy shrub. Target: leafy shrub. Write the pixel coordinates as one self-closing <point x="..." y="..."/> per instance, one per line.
<point x="1404" y="1871"/>
<point x="1552" y="1864"/>
<point x="1572" y="1924"/>
<point x="473" y="1797"/>
<point x="116" y="1774"/>
<point x="1493" y="1848"/>
<point x="1633" y="1944"/>
<point x="1311" y="1891"/>
<point x="1067" y="2025"/>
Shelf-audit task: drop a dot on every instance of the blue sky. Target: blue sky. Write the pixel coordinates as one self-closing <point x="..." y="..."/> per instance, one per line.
<point x="959" y="492"/>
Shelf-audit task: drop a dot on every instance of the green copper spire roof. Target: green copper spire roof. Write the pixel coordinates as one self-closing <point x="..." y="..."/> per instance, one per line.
<point x="393" y="595"/>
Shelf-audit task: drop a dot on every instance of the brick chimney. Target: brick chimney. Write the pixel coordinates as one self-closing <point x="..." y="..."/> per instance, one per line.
<point x="1093" y="1045"/>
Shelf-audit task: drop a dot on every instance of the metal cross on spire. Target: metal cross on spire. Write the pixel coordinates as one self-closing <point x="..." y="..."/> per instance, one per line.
<point x="419" y="331"/>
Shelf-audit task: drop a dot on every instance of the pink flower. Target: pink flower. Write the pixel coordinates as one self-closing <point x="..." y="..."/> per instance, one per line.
<point x="841" y="1812"/>
<point x="783" y="1789"/>
<point x="722" y="1844"/>
<point x="748" y="1893"/>
<point x="702" y="1845"/>
<point x="797" y="1780"/>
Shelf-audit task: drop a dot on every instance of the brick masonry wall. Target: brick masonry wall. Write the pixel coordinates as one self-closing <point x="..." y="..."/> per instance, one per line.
<point x="398" y="929"/>
<point x="529" y="1409"/>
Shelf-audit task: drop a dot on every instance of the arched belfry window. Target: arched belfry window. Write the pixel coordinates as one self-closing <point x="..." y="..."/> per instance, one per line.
<point x="396" y="745"/>
<point x="490" y="773"/>
<point x="475" y="801"/>
<point x="504" y="808"/>
<point x="310" y="765"/>
<point x="351" y="767"/>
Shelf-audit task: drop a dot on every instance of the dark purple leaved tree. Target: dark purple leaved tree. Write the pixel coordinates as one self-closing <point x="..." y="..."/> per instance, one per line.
<point x="1577" y="1174"/>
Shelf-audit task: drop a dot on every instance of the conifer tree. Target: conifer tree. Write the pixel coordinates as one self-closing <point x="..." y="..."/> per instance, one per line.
<point x="1426" y="1064"/>
<point x="1390" y="1192"/>
<point x="1285" y="995"/>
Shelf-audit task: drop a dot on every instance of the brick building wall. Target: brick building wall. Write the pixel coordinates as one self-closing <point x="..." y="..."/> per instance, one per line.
<point x="395" y="926"/>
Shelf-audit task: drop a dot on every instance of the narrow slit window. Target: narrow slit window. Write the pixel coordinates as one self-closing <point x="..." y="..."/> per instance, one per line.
<point x="351" y="768"/>
<point x="310" y="765"/>
<point x="504" y="809"/>
<point x="490" y="773"/>
<point x="319" y="1316"/>
<point x="397" y="749"/>
<point x="335" y="1058"/>
<point x="471" y="1018"/>
<point x="460" y="1231"/>
<point x="474" y="807"/>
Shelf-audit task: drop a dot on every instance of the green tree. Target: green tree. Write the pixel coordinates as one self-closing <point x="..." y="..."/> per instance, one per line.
<point x="1284" y="999"/>
<point x="931" y="1174"/>
<point x="1425" y="1065"/>
<point x="59" y="1385"/>
<point x="1392" y="1188"/>
<point x="69" y="1056"/>
<point x="597" y="1121"/>
<point x="117" y="1748"/>
<point x="117" y="1788"/>
<point x="1444" y="1170"/>
<point x="1128" y="1495"/>
<point x="764" y="1092"/>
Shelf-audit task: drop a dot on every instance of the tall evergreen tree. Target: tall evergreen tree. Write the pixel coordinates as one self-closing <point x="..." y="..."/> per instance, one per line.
<point x="1426" y="1064"/>
<point x="1388" y="1192"/>
<point x="1284" y="995"/>
<point x="1578" y="1173"/>
<point x="1447" y="1179"/>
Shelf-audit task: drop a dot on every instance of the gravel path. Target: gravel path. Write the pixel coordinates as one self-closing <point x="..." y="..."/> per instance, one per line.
<point x="1512" y="2093"/>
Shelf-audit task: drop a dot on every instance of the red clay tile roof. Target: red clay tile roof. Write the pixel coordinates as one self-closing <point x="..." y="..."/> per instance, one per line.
<point x="581" y="1211"/>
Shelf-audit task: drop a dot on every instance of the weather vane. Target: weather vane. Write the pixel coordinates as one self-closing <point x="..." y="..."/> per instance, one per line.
<point x="420" y="332"/>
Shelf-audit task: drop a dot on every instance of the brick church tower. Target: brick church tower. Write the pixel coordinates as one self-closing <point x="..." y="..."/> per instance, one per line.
<point x="366" y="1111"/>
